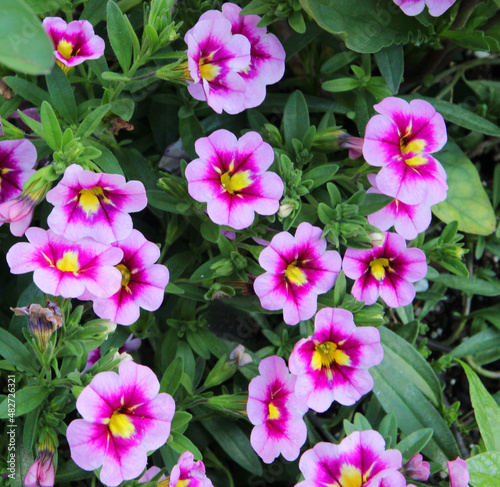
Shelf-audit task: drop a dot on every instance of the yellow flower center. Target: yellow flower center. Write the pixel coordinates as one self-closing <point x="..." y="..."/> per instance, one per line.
<point x="90" y="199"/>
<point x="69" y="262"/>
<point x="274" y="412"/>
<point x="378" y="267"/>
<point x="350" y="477"/>
<point x="125" y="274"/>
<point x="65" y="48"/>
<point x="234" y="182"/>
<point x="295" y="274"/>
<point x="417" y="160"/>
<point x="416" y="145"/>
<point x="121" y="425"/>
<point x="183" y="483"/>
<point x="326" y="354"/>
<point x="208" y="71"/>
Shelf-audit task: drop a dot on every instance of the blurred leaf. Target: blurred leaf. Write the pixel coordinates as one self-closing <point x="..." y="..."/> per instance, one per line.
<point x="24" y="44"/>
<point x="486" y="410"/>
<point x="338" y="61"/>
<point x="467" y="201"/>
<point x="390" y="61"/>
<point x="61" y="94"/>
<point x="235" y="443"/>
<point x="295" y="118"/>
<point x="28" y="90"/>
<point x="367" y="26"/>
<point x="484" y="469"/>
<point x="119" y="36"/>
<point x="476" y="40"/>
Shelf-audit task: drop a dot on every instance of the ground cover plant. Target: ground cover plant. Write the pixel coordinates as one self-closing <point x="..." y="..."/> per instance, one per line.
<point x="249" y="244"/>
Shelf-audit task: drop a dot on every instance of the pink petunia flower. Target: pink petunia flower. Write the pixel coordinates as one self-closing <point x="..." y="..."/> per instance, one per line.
<point x="360" y="459"/>
<point x="124" y="418"/>
<point x="417" y="469"/>
<point x="267" y="56"/>
<point x="188" y="473"/>
<point x="276" y="412"/>
<point x="97" y="205"/>
<point x="64" y="268"/>
<point x="332" y="364"/>
<point x="42" y="471"/>
<point x="387" y="271"/>
<point x="408" y="220"/>
<point x="231" y="177"/>
<point x="400" y="140"/>
<point x="414" y="7"/>
<point x="459" y="475"/>
<point x="298" y="269"/>
<point x="17" y="163"/>
<point x="143" y="282"/>
<point x="215" y="56"/>
<point x="74" y="43"/>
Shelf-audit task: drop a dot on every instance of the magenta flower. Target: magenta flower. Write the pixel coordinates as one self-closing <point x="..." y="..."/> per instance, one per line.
<point x="97" y="205"/>
<point x="387" y="271"/>
<point x="400" y="140"/>
<point x="143" y="282"/>
<point x="267" y="56"/>
<point x="188" y="473"/>
<point x="64" y="268"/>
<point x="18" y="212"/>
<point x="276" y="412"/>
<point x="230" y="175"/>
<point x="459" y="475"/>
<point x="42" y="471"/>
<point x="417" y="469"/>
<point x="408" y="220"/>
<point x="17" y="162"/>
<point x="414" y="7"/>
<point x="124" y="418"/>
<point x="74" y="43"/>
<point x="332" y="364"/>
<point x="215" y="56"/>
<point x="298" y="269"/>
<point x="359" y="460"/>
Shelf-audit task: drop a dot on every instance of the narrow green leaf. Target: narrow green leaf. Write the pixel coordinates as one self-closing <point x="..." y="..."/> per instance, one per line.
<point x="321" y="174"/>
<point x="29" y="91"/>
<point x="466" y="201"/>
<point x="486" y="410"/>
<point x="484" y="469"/>
<point x="414" y="442"/>
<point x="25" y="400"/>
<point x="24" y="45"/>
<point x="472" y="285"/>
<point x="295" y="118"/>
<point x="172" y="377"/>
<point x="15" y="352"/>
<point x="31" y="123"/>
<point x="198" y="345"/>
<point x="119" y="36"/>
<point x="390" y="61"/>
<point x="485" y="341"/>
<point x="341" y="84"/>
<point x="51" y="128"/>
<point x="235" y="443"/>
<point x="91" y="121"/>
<point x="190" y="130"/>
<point x="61" y="93"/>
<point x="180" y="444"/>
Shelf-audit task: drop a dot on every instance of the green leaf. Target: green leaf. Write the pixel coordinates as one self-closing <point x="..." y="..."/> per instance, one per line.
<point x="459" y="116"/>
<point x="210" y="231"/>
<point x="399" y="396"/>
<point x="197" y="343"/>
<point x="172" y="377"/>
<point x="390" y="61"/>
<point x="403" y="357"/>
<point x="321" y="174"/>
<point x="338" y="61"/>
<point x="51" y="128"/>
<point x="366" y="26"/>
<point x="15" y="352"/>
<point x="235" y="443"/>
<point x="119" y="36"/>
<point x="190" y="130"/>
<point x="475" y="40"/>
<point x="340" y="85"/>
<point x="484" y="469"/>
<point x="25" y="400"/>
<point x="181" y="420"/>
<point x="295" y="118"/>
<point x="413" y="443"/>
<point x="91" y="121"/>
<point x="471" y="285"/>
<point x="180" y="444"/>
<point x="485" y="341"/>
<point x="486" y="410"/>
<point x="29" y="91"/>
<point x="24" y="45"/>
<point x="467" y="201"/>
<point x="61" y="94"/>
<point x="124" y="108"/>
